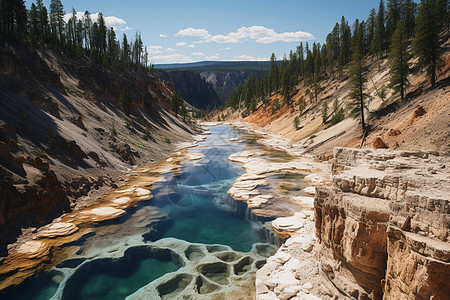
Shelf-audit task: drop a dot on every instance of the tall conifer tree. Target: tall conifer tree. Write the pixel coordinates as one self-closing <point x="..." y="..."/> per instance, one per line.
<point x="379" y="39"/>
<point x="426" y="44"/>
<point x="400" y="68"/>
<point x="357" y="82"/>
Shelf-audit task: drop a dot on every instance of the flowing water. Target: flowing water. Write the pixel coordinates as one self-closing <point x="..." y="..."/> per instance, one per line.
<point x="195" y="207"/>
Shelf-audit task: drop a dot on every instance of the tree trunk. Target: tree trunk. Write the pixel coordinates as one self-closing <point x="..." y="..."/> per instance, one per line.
<point x="361" y="101"/>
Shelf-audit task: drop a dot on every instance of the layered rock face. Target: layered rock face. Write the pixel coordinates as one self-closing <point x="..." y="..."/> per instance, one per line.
<point x="195" y="90"/>
<point x="383" y="227"/>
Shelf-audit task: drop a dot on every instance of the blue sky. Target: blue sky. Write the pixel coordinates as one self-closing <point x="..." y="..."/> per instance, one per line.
<point x="197" y="30"/>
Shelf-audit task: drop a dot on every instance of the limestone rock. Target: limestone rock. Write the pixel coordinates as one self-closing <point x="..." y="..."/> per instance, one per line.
<point x="102" y="213"/>
<point x="383" y="226"/>
<point x="57" y="229"/>
<point x="417" y="266"/>
<point x="287" y="226"/>
<point x="310" y="190"/>
<point x="33" y="249"/>
<point x="257" y="201"/>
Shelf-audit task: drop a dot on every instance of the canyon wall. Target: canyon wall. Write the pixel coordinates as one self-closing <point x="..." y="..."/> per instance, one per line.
<point x="383" y="226"/>
<point x="195" y="90"/>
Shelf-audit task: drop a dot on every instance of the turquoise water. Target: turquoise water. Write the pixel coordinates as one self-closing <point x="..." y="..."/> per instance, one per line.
<point x="117" y="278"/>
<point x="42" y="287"/>
<point x="195" y="199"/>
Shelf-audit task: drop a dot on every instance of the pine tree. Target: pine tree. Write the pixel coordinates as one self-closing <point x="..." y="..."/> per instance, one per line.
<point x="300" y="59"/>
<point x="176" y="102"/>
<point x="274" y="74"/>
<point x="57" y="20"/>
<point x="426" y="44"/>
<point x="125" y="55"/>
<point x="87" y="24"/>
<point x="112" y="46"/>
<point x="309" y="66"/>
<point x="333" y="48"/>
<point x="33" y="16"/>
<point x="44" y="27"/>
<point x="393" y="15"/>
<point x="379" y="39"/>
<point x="101" y="34"/>
<point x="370" y="28"/>
<point x="409" y="16"/>
<point x="20" y="19"/>
<point x="345" y="49"/>
<point x="400" y="68"/>
<point x="357" y="81"/>
<point x="6" y="18"/>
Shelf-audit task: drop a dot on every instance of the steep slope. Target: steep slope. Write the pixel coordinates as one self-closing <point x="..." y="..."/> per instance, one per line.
<point x="225" y="82"/>
<point x="224" y="76"/>
<point x="420" y="122"/>
<point x="64" y="133"/>
<point x="194" y="89"/>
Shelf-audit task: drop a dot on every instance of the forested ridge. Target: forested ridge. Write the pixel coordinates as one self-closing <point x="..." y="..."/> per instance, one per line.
<point x="398" y="30"/>
<point x="42" y="26"/>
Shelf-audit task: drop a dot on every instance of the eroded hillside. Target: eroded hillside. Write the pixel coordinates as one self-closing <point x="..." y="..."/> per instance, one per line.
<point x="69" y="129"/>
<point x="419" y="122"/>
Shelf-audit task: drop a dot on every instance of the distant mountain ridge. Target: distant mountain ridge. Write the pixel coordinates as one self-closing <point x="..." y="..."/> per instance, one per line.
<point x="224" y="76"/>
<point x="218" y="66"/>
<point x="194" y="89"/>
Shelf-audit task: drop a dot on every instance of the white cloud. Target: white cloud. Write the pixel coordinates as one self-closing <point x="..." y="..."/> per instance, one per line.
<point x="154" y="49"/>
<point x="201" y="33"/>
<point x="267" y="36"/>
<point x="226" y="48"/>
<point x="124" y="29"/>
<point x="181" y="44"/>
<point x="259" y="34"/>
<point x="162" y="35"/>
<point x="249" y="57"/>
<point x="198" y="54"/>
<point x="110" y="21"/>
<point x="113" y="21"/>
<point x="212" y="57"/>
<point x="191" y="46"/>
<point x="173" y="58"/>
<point x="170" y="49"/>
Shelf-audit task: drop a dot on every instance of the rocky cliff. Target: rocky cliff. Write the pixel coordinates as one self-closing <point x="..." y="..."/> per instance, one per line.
<point x="383" y="226"/>
<point x="194" y="89"/>
<point x="225" y="82"/>
<point x="67" y="132"/>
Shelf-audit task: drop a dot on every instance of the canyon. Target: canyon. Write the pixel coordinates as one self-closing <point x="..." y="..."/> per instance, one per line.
<point x="332" y="222"/>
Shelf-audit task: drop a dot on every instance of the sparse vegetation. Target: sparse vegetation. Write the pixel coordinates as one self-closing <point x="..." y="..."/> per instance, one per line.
<point x="324" y="112"/>
<point x="125" y="101"/>
<point x="296" y="122"/>
<point x="51" y="139"/>
<point x="301" y="104"/>
<point x="177" y="103"/>
<point x="338" y="113"/>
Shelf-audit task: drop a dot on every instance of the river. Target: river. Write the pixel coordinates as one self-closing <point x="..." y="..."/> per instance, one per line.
<point x="190" y="234"/>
